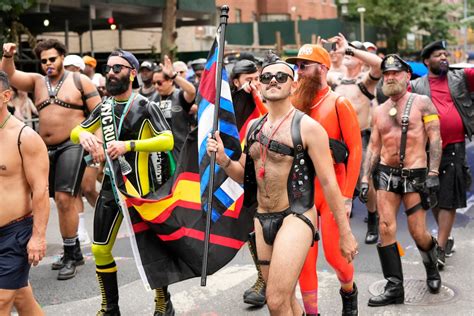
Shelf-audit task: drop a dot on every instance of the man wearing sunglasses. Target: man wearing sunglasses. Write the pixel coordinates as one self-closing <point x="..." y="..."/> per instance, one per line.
<point x="283" y="150"/>
<point x="62" y="99"/>
<point x="175" y="99"/>
<point x="139" y="130"/>
<point x="24" y="210"/>
<point x="337" y="116"/>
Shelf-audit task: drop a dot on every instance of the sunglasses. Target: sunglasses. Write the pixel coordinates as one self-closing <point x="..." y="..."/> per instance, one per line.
<point x="44" y="61"/>
<point x="280" y="77"/>
<point x="305" y="66"/>
<point x="117" y="68"/>
<point x="157" y="82"/>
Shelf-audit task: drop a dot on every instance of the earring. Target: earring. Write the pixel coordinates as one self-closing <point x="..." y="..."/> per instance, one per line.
<point x="132" y="78"/>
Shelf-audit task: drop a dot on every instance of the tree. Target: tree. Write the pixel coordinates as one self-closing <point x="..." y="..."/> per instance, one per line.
<point x="398" y="17"/>
<point x="10" y="27"/>
<point x="169" y="34"/>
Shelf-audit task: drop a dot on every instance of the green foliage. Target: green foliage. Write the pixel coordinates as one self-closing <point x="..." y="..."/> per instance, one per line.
<point x="10" y="11"/>
<point x="398" y="17"/>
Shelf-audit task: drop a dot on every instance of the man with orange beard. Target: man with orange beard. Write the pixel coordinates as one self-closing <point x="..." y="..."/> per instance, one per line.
<point x="336" y="114"/>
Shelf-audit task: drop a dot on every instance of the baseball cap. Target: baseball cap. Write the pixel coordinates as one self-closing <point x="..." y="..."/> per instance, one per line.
<point x="91" y="61"/>
<point x="132" y="60"/>
<point x="74" y="60"/>
<point x="314" y="53"/>
<point x="148" y="65"/>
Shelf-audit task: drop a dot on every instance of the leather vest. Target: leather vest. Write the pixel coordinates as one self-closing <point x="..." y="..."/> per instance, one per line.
<point x="300" y="184"/>
<point x="459" y="94"/>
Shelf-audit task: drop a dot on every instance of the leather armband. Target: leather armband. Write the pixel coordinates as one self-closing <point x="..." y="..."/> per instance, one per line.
<point x="174" y="76"/>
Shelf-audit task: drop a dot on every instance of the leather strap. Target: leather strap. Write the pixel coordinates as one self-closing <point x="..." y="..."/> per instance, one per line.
<point x="405" y="121"/>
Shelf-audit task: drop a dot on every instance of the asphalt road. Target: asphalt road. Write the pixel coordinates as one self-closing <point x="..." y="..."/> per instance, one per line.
<point x="223" y="294"/>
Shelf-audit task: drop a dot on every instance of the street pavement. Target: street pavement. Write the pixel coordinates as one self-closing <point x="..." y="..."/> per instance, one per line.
<point x="223" y="293"/>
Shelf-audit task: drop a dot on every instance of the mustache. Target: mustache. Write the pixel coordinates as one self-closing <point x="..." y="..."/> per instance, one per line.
<point x="272" y="85"/>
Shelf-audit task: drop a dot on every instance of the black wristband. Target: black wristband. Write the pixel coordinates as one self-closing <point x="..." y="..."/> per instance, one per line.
<point x="174" y="76"/>
<point x="7" y="56"/>
<point x="349" y="51"/>
<point x="132" y="145"/>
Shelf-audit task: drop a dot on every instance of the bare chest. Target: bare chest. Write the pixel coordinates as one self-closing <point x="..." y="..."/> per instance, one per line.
<point x="10" y="161"/>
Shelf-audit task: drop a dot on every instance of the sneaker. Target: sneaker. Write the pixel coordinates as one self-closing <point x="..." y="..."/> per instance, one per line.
<point x="450" y="248"/>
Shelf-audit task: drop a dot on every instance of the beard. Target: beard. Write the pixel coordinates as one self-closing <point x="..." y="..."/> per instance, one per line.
<point x="118" y="85"/>
<point x="440" y="68"/>
<point x="147" y="82"/>
<point x="307" y="88"/>
<point x="392" y="88"/>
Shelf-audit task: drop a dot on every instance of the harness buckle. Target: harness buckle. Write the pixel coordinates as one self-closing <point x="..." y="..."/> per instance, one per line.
<point x="405" y="173"/>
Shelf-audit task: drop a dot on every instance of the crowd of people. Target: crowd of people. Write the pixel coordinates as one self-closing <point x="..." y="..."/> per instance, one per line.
<point x="302" y="163"/>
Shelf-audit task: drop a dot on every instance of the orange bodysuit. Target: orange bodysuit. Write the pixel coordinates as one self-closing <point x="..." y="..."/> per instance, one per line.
<point x="341" y="123"/>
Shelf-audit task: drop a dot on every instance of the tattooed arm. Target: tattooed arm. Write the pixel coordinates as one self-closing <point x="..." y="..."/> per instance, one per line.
<point x="372" y="155"/>
<point x="431" y="122"/>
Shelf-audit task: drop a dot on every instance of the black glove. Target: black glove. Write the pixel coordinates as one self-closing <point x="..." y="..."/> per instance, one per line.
<point x="364" y="192"/>
<point x="432" y="183"/>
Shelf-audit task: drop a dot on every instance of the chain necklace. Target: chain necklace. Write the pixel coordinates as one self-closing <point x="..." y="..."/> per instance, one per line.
<point x="5" y="121"/>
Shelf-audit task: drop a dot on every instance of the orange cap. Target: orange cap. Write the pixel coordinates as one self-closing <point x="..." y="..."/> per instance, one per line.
<point x="314" y="53"/>
<point x="91" y="61"/>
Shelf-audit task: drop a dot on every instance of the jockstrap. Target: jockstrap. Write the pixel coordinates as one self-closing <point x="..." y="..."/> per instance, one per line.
<point x="403" y="144"/>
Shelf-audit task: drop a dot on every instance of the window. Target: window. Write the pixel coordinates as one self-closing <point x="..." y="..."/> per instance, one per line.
<point x="238" y="15"/>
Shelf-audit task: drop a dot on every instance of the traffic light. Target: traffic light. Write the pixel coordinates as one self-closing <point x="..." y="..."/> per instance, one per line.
<point x="111" y="22"/>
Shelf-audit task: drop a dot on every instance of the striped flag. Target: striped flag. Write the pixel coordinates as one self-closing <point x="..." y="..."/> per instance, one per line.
<point x="227" y="193"/>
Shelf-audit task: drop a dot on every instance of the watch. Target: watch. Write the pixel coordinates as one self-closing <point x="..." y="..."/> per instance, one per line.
<point x="132" y="145"/>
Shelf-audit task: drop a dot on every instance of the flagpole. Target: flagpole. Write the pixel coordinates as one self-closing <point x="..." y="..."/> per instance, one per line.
<point x="210" y="197"/>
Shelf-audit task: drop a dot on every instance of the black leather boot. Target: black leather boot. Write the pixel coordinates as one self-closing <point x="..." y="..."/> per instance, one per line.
<point x="163" y="305"/>
<point x="57" y="265"/>
<point x="255" y="295"/>
<point x="109" y="291"/>
<point x="349" y="302"/>
<point x="72" y="256"/>
<point x="392" y="271"/>
<point x="430" y="260"/>
<point x="372" y="235"/>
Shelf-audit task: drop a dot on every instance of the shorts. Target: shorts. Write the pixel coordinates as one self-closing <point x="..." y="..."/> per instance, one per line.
<point x="390" y="179"/>
<point x="66" y="168"/>
<point x="453" y="177"/>
<point x="14" y="266"/>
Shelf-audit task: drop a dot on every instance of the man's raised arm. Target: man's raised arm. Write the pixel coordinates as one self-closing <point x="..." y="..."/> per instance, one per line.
<point x="21" y="80"/>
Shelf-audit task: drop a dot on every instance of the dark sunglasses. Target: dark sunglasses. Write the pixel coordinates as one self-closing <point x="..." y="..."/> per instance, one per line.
<point x="157" y="82"/>
<point x="305" y="66"/>
<point x="44" y="61"/>
<point x="117" y="68"/>
<point x="280" y="77"/>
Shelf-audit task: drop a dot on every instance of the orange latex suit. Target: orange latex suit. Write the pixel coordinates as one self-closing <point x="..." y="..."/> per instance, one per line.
<point x="340" y="124"/>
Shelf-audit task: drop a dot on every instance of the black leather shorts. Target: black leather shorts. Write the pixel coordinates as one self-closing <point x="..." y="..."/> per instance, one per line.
<point x="66" y="168"/>
<point x="399" y="181"/>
